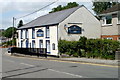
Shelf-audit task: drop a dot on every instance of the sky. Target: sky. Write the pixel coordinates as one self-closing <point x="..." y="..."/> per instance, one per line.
<point x="18" y="8"/>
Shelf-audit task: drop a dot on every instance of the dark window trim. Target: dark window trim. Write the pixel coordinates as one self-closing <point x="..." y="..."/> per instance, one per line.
<point x="33" y="31"/>
<point x="32" y="43"/>
<point x="39" y="43"/>
<point x="46" y="32"/>
<point x="21" y="34"/>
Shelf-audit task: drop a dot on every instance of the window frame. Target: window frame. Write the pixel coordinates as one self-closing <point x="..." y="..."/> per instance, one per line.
<point x="33" y="33"/>
<point x="42" y="33"/>
<point x="47" y="32"/>
<point x="53" y="46"/>
<point x="21" y="34"/>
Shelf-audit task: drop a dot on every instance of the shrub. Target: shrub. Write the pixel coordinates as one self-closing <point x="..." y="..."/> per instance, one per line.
<point x="94" y="48"/>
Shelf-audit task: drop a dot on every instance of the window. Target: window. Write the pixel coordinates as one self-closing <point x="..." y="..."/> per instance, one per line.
<point x="109" y="19"/>
<point x="47" y="32"/>
<point x="53" y="46"/>
<point x="33" y="44"/>
<point x="21" y="44"/>
<point x="33" y="33"/>
<point x="27" y="43"/>
<point x="109" y="38"/>
<point x="40" y="33"/>
<point x="21" y="34"/>
<point x="41" y="43"/>
<point x="26" y="34"/>
<point x="74" y="30"/>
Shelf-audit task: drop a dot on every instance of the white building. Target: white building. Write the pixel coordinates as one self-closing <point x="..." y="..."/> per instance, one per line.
<point x="69" y="24"/>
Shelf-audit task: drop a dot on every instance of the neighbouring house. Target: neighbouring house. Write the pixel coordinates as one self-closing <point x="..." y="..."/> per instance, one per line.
<point x="110" y="23"/>
<point x="45" y="31"/>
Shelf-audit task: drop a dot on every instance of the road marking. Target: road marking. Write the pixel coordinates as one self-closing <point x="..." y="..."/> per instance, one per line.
<point x="10" y="61"/>
<point x="65" y="73"/>
<point x="105" y="65"/>
<point x="26" y="64"/>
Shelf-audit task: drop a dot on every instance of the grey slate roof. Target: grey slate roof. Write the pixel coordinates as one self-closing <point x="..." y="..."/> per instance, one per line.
<point x="50" y="19"/>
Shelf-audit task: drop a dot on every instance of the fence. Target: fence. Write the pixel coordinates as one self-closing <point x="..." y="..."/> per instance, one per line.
<point x="30" y="51"/>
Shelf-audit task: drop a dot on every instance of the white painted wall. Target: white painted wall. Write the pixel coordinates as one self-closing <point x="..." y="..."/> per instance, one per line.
<point x="53" y="39"/>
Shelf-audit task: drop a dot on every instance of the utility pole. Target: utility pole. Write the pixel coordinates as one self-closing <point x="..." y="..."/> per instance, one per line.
<point x="13" y="30"/>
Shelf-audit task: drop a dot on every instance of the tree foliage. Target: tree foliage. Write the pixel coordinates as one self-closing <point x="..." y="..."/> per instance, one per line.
<point x="20" y="23"/>
<point x="9" y="32"/>
<point x="60" y="7"/>
<point x="98" y="7"/>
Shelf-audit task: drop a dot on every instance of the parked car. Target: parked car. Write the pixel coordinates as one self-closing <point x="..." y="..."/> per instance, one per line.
<point x="11" y="49"/>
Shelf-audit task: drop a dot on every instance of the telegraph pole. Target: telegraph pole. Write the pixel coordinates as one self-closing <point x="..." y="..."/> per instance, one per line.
<point x="13" y="30"/>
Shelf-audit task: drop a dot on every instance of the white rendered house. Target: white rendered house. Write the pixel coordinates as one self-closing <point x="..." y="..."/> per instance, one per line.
<point x="69" y="24"/>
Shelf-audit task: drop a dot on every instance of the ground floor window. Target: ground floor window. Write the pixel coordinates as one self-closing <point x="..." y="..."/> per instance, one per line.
<point x="27" y="43"/>
<point x="21" y="44"/>
<point x="48" y="46"/>
<point x="53" y="46"/>
<point x="41" y="43"/>
<point x="109" y="38"/>
<point x="33" y="44"/>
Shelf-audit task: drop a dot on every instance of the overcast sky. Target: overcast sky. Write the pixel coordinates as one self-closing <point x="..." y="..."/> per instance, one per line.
<point x="18" y="8"/>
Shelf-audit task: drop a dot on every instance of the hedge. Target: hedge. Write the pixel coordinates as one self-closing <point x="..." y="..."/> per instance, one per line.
<point x="90" y="48"/>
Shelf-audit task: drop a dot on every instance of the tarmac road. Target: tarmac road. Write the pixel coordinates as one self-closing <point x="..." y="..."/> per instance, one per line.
<point x="22" y="67"/>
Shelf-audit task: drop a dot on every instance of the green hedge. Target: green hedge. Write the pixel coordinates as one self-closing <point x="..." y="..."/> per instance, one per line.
<point x="90" y="48"/>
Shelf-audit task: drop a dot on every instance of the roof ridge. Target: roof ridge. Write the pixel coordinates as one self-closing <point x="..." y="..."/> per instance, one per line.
<point x="52" y="13"/>
<point x="71" y="10"/>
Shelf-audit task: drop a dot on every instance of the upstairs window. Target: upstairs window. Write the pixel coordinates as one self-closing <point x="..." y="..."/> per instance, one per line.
<point x="33" y="33"/>
<point x="109" y="19"/>
<point x="26" y="34"/>
<point x="47" y="32"/>
<point x="74" y="30"/>
<point x="21" y="34"/>
<point x="40" y="33"/>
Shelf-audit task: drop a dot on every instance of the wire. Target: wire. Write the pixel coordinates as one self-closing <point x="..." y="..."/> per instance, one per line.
<point x="37" y="10"/>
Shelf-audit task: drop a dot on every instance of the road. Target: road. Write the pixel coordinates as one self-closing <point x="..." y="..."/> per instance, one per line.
<point x="21" y="67"/>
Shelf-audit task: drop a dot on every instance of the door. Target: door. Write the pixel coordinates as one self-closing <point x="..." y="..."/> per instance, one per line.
<point x="48" y="46"/>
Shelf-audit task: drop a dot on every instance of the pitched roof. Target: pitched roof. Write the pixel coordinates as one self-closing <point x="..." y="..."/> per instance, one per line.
<point x="112" y="9"/>
<point x="51" y="18"/>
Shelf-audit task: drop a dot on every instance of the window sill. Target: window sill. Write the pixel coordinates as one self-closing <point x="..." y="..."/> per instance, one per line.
<point x="47" y="37"/>
<point x="106" y="24"/>
<point x="118" y="23"/>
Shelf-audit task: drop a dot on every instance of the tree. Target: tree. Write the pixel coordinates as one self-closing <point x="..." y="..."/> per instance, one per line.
<point x="20" y="23"/>
<point x="98" y="7"/>
<point x="69" y="5"/>
<point x="9" y="32"/>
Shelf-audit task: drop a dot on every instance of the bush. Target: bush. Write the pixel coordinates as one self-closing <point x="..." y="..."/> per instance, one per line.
<point x="90" y="48"/>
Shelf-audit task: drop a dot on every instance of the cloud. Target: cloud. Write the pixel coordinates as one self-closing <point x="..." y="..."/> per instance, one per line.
<point x="18" y="8"/>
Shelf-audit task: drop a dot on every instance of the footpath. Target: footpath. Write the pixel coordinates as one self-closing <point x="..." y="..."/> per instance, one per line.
<point x="84" y="60"/>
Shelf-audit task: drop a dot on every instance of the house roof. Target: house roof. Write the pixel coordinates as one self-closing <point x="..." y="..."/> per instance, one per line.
<point x="51" y="18"/>
<point x="112" y="9"/>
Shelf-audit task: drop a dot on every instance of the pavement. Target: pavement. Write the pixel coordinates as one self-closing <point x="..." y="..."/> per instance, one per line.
<point x="82" y="60"/>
